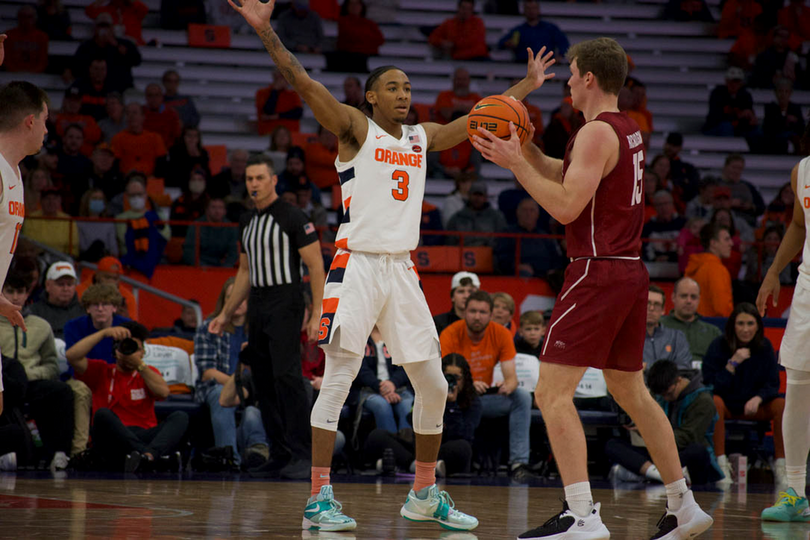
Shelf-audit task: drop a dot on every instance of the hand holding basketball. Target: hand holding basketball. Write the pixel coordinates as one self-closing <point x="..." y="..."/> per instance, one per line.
<point x="537" y="66"/>
<point x="504" y="153"/>
<point x="255" y="12"/>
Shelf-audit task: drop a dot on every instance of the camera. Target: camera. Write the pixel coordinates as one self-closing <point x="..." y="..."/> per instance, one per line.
<point x="127" y="346"/>
<point x="452" y="381"/>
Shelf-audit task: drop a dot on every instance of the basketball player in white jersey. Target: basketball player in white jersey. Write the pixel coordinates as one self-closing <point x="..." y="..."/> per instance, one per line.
<point x="792" y="504"/>
<point x="382" y="168"/>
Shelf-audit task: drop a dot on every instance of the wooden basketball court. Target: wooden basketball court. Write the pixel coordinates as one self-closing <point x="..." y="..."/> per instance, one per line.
<point x="44" y="506"/>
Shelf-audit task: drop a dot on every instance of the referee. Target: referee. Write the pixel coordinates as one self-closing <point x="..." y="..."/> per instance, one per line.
<point x="276" y="237"/>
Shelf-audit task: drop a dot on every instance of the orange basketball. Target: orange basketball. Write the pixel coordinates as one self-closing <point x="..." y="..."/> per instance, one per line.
<point x="493" y="113"/>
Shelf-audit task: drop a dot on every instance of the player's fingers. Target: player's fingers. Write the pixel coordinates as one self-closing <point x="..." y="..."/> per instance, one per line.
<point x="547" y="56"/>
<point x="531" y="54"/>
<point x="234" y="6"/>
<point x="488" y="134"/>
<point x="513" y="131"/>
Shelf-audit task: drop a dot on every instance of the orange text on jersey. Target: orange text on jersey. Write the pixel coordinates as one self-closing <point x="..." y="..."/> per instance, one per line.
<point x="16" y="208"/>
<point x="398" y="158"/>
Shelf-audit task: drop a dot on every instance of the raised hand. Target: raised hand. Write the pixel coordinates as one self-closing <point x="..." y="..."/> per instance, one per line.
<point x="537" y="66"/>
<point x="255" y="12"/>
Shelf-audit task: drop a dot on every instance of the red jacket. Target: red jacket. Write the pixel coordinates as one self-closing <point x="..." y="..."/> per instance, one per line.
<point x="359" y="35"/>
<point x="468" y="37"/>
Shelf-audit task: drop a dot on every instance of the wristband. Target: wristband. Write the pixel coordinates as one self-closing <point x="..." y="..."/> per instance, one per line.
<point x="733" y="364"/>
<point x="141" y="367"/>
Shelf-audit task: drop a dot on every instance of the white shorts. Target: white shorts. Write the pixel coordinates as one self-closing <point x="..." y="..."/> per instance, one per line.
<point x="794" y="353"/>
<point x="364" y="289"/>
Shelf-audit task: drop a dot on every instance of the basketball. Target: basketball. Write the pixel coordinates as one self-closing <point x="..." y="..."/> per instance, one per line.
<point x="493" y="113"/>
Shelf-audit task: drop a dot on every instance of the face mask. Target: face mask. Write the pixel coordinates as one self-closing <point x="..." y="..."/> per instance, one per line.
<point x="138" y="202"/>
<point x="97" y="206"/>
<point x="196" y="187"/>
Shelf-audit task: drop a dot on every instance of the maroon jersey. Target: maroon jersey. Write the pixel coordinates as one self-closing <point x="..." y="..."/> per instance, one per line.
<point x="610" y="225"/>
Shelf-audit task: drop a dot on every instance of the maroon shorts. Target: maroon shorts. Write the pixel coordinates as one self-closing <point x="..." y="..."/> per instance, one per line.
<point x="600" y="316"/>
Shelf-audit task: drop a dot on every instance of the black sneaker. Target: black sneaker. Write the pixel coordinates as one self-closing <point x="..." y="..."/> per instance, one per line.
<point x="587" y="528"/>
<point x="297" y="469"/>
<point x="133" y="461"/>
<point x="521" y="473"/>
<point x="389" y="462"/>
<point x="83" y="461"/>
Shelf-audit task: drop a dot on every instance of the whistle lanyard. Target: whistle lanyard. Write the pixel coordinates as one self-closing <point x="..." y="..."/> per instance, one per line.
<point x="110" y="395"/>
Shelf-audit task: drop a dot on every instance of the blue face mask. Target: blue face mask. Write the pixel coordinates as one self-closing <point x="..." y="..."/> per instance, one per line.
<point x="97" y="206"/>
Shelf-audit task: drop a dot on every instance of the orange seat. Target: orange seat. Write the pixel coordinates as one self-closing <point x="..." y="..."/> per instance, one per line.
<point x="217" y="157"/>
<point x="449" y="259"/>
<point x="209" y="35"/>
<point x="174" y="250"/>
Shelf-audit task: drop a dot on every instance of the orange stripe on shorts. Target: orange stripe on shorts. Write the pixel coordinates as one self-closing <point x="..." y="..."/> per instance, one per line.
<point x="340" y="261"/>
<point x="347" y="203"/>
<point x="330" y="305"/>
<point x="343" y="243"/>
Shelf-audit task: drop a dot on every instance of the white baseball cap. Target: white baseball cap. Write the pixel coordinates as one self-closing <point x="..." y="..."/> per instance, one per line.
<point x="456" y="281"/>
<point x="60" y="269"/>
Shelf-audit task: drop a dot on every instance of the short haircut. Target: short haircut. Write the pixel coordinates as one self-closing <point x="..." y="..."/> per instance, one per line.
<point x="261" y="159"/>
<point x="662" y="375"/>
<point x="479" y="296"/>
<point x="506" y="299"/>
<point x="101" y="293"/>
<point x="18" y="278"/>
<point x="731" y="158"/>
<point x="709" y="232"/>
<point x="136" y="329"/>
<point x="76" y="127"/>
<point x="532" y="317"/>
<point x="653" y="288"/>
<point x="375" y="75"/>
<point x="603" y="57"/>
<point x="683" y="280"/>
<point x="18" y="99"/>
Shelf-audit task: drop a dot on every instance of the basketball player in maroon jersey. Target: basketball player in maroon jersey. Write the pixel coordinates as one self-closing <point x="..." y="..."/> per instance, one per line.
<point x="600" y="316"/>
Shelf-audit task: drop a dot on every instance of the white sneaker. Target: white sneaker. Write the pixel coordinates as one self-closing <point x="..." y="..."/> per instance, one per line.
<point x="568" y="526"/>
<point x="687" y="522"/>
<point x="441" y="469"/>
<point x="59" y="462"/>
<point x="620" y="474"/>
<point x="725" y="468"/>
<point x="780" y="473"/>
<point x="8" y="462"/>
<point x="687" y="477"/>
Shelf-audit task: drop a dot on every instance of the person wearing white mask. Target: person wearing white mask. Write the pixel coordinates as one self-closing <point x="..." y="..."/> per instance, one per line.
<point x="96" y="239"/>
<point x="191" y="204"/>
<point x="136" y="205"/>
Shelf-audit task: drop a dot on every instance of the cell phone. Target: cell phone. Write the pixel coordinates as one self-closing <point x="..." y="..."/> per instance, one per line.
<point x="492" y="390"/>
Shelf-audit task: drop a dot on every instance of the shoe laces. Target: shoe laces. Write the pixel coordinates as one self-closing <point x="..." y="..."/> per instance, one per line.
<point x="335" y="509"/>
<point x="447" y="500"/>
<point x="786" y="498"/>
<point x="554" y="520"/>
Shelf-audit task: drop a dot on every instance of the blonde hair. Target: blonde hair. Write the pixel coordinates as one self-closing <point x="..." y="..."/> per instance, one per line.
<point x="603" y="57"/>
<point x="506" y="299"/>
<point x="532" y="317"/>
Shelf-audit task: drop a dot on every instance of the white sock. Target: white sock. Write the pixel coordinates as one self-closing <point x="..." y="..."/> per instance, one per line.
<point x="675" y="493"/>
<point x="653" y="474"/>
<point x="579" y="498"/>
<point x="797" y="478"/>
<point x="796" y="428"/>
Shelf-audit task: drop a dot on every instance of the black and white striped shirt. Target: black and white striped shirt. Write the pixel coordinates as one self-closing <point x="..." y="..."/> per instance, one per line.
<point x="271" y="239"/>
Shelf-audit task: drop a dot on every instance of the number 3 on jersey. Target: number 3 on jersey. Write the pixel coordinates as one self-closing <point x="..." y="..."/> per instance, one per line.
<point x="638" y="176"/>
<point x="400" y="192"/>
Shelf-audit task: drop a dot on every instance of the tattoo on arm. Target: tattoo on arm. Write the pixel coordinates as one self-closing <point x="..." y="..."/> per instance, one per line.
<point x="288" y="64"/>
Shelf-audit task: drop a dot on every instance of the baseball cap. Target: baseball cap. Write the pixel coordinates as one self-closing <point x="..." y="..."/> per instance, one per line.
<point x="479" y="187"/>
<point x="110" y="264"/>
<point x="722" y="191"/>
<point x="735" y="74"/>
<point x="456" y="281"/>
<point x="60" y="269"/>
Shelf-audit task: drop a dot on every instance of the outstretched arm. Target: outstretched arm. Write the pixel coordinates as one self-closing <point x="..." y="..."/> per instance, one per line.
<point x="345" y="122"/>
<point x="441" y="137"/>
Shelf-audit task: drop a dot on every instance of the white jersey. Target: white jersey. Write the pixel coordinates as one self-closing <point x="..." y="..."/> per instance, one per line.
<point x="382" y="190"/>
<point x="803" y="193"/>
<point x="12" y="212"/>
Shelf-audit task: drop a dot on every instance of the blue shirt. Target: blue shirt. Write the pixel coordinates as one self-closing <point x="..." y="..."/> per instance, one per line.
<point x="235" y="347"/>
<point x="543" y="34"/>
<point x="81" y="327"/>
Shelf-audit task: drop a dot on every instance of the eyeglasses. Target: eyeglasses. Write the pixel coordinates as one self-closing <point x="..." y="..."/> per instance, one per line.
<point x="655" y="305"/>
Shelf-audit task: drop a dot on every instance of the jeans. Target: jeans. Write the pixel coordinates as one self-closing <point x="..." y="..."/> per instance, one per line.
<point x="223" y="420"/>
<point x="385" y="413"/>
<point x="456" y="454"/>
<point x="518" y="405"/>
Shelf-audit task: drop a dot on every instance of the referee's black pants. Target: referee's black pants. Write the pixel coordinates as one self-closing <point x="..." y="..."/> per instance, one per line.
<point x="275" y="315"/>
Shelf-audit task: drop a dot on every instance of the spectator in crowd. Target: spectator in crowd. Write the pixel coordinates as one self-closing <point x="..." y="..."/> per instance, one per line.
<point x="159" y="118"/>
<point x="563" y="123"/>
<point x="538" y="256"/>
<point x="353" y="92"/>
<point x="760" y="261"/>
<point x="313" y="210"/>
<point x="54" y="20"/>
<point x="136" y="148"/>
<point x="795" y="17"/>
<point x="689" y="407"/>
<point x="708" y="271"/>
<point x="94" y="90"/>
<point x="458" y="100"/>
<point x="186" y="323"/>
<point x="664" y="227"/>
<point x="218" y="245"/>
<point x="776" y="62"/>
<point x="462" y="414"/>
<point x="745" y="198"/>
<point x="662" y="342"/>
<point x="251" y="437"/>
<point x="626" y="104"/>
<point x="779" y="212"/>
<point x="26" y="48"/>
<point x="431" y="221"/>
<point x="383" y="11"/>
<point x="71" y="114"/>
<point x="36" y="181"/>
<point x="101" y="302"/>
<point x="49" y="162"/>
<point x="50" y="401"/>
<point x="685" y="318"/>
<point x="736" y="16"/>
<point x="731" y="107"/>
<point x="531" y="333"/>
<point x="280" y="140"/>
<point x="702" y="206"/>
<point x="751" y="41"/>
<point x="783" y="125"/>
<point x="486" y="345"/>
<point x="182" y="104"/>
<point x="687" y="10"/>
<point x="639" y="90"/>
<point x="221" y="14"/>
<point x="59" y="303"/>
<point x="294" y="175"/>
<point x="178" y="14"/>
<point x="125" y="432"/>
<point x="138" y="206"/>
<point x="462" y="37"/>
<point x="121" y="55"/>
<point x="685" y="177"/>
<point x="508" y="201"/>
<point x="127" y="13"/>
<point x="217" y="358"/>
<point x="278" y="105"/>
<point x="74" y="167"/>
<point x="462" y="285"/>
<point x="300" y="29"/>
<point x="503" y="310"/>
<point x="742" y="369"/>
<point x="457" y="199"/>
<point x="96" y="239"/>
<point x="105" y="174"/>
<point x="109" y="271"/>
<point x="358" y="38"/>
<point x="740" y="232"/>
<point x="660" y="166"/>
<point x="384" y="387"/>
<point x="478" y="216"/>
<point x="115" y="122"/>
<point x="57" y="231"/>
<point x="229" y="184"/>
<point x="320" y="162"/>
<point x="534" y="34"/>
<point x="185" y="156"/>
<point x="453" y="161"/>
<point x="689" y="241"/>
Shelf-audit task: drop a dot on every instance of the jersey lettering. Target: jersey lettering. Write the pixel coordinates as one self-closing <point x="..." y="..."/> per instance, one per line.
<point x="638" y="184"/>
<point x="16" y="208"/>
<point x="397" y="158"/>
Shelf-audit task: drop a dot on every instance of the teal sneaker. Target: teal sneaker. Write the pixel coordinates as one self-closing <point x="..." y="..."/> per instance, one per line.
<point x="323" y="513"/>
<point x="789" y="507"/>
<point x="436" y="506"/>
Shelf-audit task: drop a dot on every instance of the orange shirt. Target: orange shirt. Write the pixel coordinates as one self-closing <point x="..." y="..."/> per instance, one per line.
<point x="165" y="122"/>
<point x="26" y="51"/>
<point x="536" y="118"/>
<point x="736" y="16"/>
<point x="468" y="37"/>
<point x="449" y="99"/>
<point x="287" y="101"/>
<point x="130" y="15"/>
<point x="797" y="23"/>
<point x="320" y="165"/>
<point x="138" y="152"/>
<point x="496" y="346"/>
<point x="129" y="298"/>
